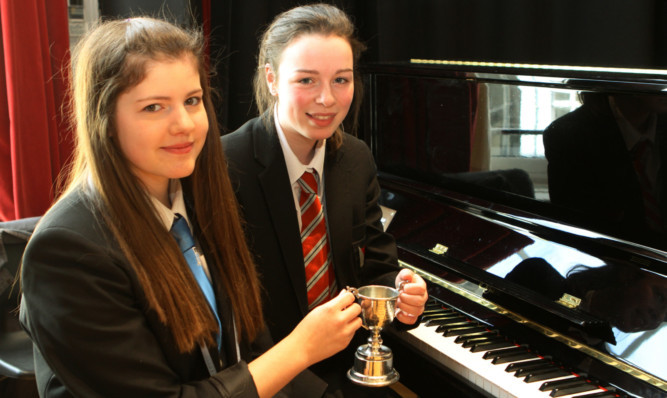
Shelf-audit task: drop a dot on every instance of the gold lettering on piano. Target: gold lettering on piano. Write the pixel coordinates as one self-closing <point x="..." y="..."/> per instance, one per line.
<point x="569" y="301"/>
<point x="439" y="249"/>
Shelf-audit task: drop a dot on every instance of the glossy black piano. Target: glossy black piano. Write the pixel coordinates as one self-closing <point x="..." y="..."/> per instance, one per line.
<point x="521" y="194"/>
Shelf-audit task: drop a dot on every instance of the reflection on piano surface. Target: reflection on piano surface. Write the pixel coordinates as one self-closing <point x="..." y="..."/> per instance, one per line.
<point x="604" y="159"/>
<point x="547" y="270"/>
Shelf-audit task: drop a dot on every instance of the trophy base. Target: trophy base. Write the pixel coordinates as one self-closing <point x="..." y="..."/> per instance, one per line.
<point x="373" y="370"/>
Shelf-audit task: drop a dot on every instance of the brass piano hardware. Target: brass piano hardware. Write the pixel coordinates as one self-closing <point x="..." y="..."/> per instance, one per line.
<point x="636" y="372"/>
<point x="536" y="66"/>
<point x="439" y="249"/>
<point x="483" y="287"/>
<point x="569" y="301"/>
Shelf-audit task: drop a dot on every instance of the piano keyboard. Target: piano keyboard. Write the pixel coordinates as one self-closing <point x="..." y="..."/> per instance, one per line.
<point x="499" y="366"/>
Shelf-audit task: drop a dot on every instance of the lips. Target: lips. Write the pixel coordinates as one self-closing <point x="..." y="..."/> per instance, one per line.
<point x="322" y="120"/>
<point x="179" y="149"/>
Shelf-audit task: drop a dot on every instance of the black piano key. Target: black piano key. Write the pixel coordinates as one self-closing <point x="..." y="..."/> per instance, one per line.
<point x="483" y="339"/>
<point x="559" y="392"/>
<point x="454" y="319"/>
<point x="503" y="352"/>
<point x="546" y="374"/>
<point x="552" y="385"/>
<point x="458" y="321"/>
<point x="436" y="307"/>
<point x="439" y="312"/>
<point x="463" y="330"/>
<point x="512" y="358"/>
<point x="449" y="323"/>
<point x="523" y="372"/>
<point x="491" y="345"/>
<point x="514" y="367"/>
<point x="465" y="338"/>
<point x="432" y="317"/>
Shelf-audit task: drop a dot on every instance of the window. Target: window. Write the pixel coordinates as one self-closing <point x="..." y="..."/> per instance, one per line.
<point x="518" y="114"/>
<point x="82" y="13"/>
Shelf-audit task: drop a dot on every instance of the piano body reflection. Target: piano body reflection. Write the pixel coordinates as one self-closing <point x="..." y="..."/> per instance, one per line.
<point x="517" y="193"/>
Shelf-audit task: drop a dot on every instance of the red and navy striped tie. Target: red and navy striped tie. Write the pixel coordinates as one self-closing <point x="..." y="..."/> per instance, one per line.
<point x="320" y="277"/>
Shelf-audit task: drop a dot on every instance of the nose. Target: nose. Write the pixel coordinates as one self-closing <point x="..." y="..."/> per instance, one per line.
<point x="181" y="120"/>
<point x="326" y="97"/>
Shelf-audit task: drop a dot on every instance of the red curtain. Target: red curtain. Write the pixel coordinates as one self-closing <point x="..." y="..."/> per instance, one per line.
<point x="35" y="142"/>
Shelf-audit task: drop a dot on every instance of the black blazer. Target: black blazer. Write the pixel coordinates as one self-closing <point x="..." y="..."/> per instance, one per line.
<point x="93" y="332"/>
<point x="362" y="252"/>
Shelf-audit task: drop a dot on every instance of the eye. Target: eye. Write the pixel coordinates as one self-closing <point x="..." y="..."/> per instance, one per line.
<point x="193" y="101"/>
<point x="306" y="80"/>
<point x="152" y="108"/>
<point x="341" y="80"/>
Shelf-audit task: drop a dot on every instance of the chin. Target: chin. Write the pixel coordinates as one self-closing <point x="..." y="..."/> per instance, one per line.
<point x="182" y="173"/>
<point x="318" y="135"/>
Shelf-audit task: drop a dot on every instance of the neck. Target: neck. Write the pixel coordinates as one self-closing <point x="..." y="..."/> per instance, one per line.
<point x="302" y="147"/>
<point x="162" y="195"/>
<point x="634" y="111"/>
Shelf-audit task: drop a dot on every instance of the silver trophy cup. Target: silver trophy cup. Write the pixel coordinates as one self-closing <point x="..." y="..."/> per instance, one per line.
<point x="373" y="362"/>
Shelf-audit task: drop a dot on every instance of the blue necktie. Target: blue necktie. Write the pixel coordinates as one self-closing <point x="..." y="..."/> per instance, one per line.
<point x="181" y="232"/>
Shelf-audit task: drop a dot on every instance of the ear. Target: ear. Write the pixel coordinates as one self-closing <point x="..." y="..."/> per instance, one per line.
<point x="271" y="79"/>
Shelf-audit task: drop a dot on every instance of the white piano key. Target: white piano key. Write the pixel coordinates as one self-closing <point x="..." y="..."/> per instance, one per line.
<point x="471" y="366"/>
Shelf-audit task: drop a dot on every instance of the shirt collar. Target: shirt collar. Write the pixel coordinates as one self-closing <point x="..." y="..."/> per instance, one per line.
<point x="632" y="135"/>
<point x="167" y="214"/>
<point x="295" y="168"/>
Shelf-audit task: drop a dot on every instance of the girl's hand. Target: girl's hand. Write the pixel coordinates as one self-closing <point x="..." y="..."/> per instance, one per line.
<point x="413" y="297"/>
<point x="329" y="328"/>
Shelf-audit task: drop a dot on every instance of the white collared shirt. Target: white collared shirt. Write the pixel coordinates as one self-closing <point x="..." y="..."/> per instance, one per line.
<point x="295" y="168"/>
<point x="167" y="215"/>
<point x="632" y="136"/>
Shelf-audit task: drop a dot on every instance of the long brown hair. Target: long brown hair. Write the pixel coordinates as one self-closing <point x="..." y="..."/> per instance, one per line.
<point x="321" y="19"/>
<point x="109" y="60"/>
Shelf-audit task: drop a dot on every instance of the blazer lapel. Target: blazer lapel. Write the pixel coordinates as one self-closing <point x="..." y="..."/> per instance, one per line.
<point x="277" y="192"/>
<point x="338" y="212"/>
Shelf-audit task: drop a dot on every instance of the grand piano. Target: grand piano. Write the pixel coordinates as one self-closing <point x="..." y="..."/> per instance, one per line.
<point x="517" y="193"/>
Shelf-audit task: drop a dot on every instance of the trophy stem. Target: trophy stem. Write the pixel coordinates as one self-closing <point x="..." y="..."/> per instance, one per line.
<point x="375" y="341"/>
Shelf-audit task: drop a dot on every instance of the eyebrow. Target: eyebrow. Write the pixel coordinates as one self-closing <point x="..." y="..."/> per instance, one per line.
<point x="164" y="97"/>
<point x="316" y="72"/>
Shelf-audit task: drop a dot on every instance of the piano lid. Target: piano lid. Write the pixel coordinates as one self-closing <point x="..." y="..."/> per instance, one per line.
<point x="555" y="231"/>
<point x="561" y="143"/>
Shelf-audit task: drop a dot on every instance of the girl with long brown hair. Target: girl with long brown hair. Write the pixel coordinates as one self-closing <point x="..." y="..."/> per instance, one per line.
<point x="112" y="303"/>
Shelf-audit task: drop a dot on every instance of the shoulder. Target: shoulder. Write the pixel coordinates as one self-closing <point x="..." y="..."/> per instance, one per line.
<point x="70" y="210"/>
<point x="589" y="118"/>
<point x="244" y="133"/>
<point x="240" y="143"/>
<point x="73" y="217"/>
<point x="354" y="150"/>
<point x="352" y="142"/>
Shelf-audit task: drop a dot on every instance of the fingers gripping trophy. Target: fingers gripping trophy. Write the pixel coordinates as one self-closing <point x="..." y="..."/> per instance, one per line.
<point x="373" y="362"/>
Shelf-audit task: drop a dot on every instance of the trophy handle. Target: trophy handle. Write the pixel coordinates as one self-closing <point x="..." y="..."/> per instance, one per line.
<point x="400" y="285"/>
<point x="400" y="290"/>
<point x="355" y="292"/>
